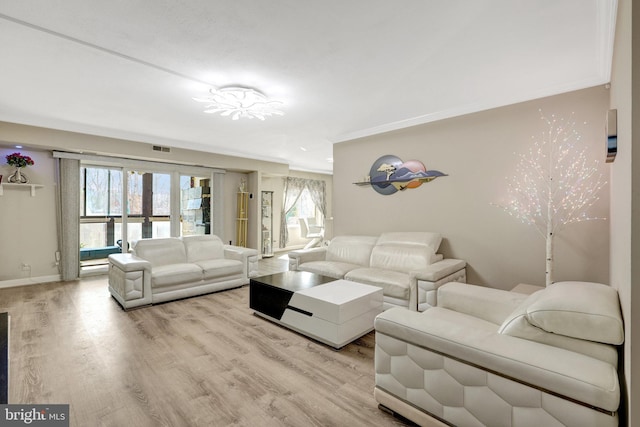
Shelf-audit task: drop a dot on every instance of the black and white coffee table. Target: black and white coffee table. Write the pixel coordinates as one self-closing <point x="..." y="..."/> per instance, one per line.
<point x="334" y="312"/>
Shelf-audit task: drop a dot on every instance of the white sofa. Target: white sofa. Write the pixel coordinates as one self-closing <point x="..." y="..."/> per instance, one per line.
<point x="166" y="269"/>
<point x="405" y="265"/>
<point x="487" y="357"/>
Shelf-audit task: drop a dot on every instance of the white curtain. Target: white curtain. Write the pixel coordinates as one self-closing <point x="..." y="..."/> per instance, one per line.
<point x="293" y="188"/>
<point x="317" y="190"/>
<point x="69" y="218"/>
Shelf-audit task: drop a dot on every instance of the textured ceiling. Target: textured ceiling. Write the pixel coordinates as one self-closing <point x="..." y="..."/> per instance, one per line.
<point x="344" y="69"/>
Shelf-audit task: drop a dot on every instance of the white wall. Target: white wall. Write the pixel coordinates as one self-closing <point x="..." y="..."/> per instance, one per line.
<point x="28" y="224"/>
<point x="625" y="200"/>
<point x="478" y="151"/>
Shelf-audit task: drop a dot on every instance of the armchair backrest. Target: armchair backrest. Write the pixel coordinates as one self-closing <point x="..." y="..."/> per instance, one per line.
<point x="405" y="251"/>
<point x="579" y="316"/>
<point x="160" y="252"/>
<point x="201" y="248"/>
<point x="351" y="249"/>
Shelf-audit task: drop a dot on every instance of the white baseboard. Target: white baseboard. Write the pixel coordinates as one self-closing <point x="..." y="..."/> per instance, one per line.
<point x="29" y="281"/>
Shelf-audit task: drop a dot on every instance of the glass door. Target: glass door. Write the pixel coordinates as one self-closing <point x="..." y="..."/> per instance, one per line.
<point x="100" y="215"/>
<point x="195" y="205"/>
<point x="148" y="205"/>
<point x="120" y="205"/>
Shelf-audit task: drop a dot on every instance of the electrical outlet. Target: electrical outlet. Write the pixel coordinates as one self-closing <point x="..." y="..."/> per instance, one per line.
<point x="26" y="267"/>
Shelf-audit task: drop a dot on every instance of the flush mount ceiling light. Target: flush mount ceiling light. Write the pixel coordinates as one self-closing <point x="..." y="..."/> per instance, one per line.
<point x="240" y="102"/>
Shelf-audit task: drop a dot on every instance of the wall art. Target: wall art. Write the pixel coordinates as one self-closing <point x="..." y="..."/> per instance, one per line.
<point x="390" y="174"/>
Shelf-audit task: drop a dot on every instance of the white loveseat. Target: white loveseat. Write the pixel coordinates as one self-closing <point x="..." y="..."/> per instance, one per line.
<point x="487" y="357"/>
<point x="405" y="265"/>
<point x="166" y="269"/>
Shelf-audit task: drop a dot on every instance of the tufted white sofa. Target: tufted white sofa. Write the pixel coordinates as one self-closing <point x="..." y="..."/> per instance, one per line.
<point x="487" y="357"/>
<point x="166" y="269"/>
<point x="405" y="265"/>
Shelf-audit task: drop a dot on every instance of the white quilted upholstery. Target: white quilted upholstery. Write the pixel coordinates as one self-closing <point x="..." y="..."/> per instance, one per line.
<point x="404" y="264"/>
<point x="127" y="284"/>
<point x="419" y="238"/>
<point x="405" y="251"/>
<point x="583" y="310"/>
<point x="203" y="248"/>
<point x="428" y="291"/>
<point x="351" y="249"/>
<point x="161" y="252"/>
<point x="158" y="270"/>
<point x="334" y="269"/>
<point x="394" y="283"/>
<point x="517" y="325"/>
<point x="465" y="395"/>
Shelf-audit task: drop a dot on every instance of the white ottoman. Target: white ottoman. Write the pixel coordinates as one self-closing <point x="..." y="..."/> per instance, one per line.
<point x="335" y="313"/>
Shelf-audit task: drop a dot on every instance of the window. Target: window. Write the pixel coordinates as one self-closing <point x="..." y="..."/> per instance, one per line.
<point x="148" y="209"/>
<point x="161" y="194"/>
<point x="157" y="198"/>
<point x="97" y="201"/>
<point x="304" y="208"/>
<point x="303" y="198"/>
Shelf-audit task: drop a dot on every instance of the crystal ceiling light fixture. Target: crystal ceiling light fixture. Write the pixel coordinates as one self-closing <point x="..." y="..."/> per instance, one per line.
<point x="240" y="102"/>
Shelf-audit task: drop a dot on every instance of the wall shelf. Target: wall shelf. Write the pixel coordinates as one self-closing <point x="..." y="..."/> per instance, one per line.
<point x="11" y="186"/>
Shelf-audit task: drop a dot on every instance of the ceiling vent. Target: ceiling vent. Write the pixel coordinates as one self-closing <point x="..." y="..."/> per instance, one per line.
<point x="163" y="149"/>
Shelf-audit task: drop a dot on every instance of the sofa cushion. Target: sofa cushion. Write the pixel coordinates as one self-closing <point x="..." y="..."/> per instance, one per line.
<point x="583" y="310"/>
<point x="351" y="249"/>
<point x="200" y="248"/>
<point x="405" y="251"/>
<point x="393" y="283"/>
<point x="173" y="274"/>
<point x="333" y="269"/>
<point x="517" y="325"/>
<point x="213" y="268"/>
<point x="418" y="238"/>
<point x="161" y="252"/>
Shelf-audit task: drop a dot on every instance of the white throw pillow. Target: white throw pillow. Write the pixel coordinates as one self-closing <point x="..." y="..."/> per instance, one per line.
<point x="584" y="310"/>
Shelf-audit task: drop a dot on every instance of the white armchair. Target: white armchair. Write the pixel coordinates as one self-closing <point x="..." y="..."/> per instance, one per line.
<point x="497" y="358"/>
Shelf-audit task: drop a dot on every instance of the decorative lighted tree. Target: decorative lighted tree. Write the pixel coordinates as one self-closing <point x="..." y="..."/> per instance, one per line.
<point x="555" y="184"/>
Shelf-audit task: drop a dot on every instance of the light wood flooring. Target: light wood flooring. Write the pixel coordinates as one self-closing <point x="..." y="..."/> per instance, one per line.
<point x="202" y="361"/>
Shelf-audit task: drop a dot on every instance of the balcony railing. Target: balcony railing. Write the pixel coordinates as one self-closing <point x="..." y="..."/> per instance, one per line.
<point x="101" y="236"/>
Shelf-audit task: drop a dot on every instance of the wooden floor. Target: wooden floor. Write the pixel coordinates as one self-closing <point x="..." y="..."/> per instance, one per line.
<point x="202" y="361"/>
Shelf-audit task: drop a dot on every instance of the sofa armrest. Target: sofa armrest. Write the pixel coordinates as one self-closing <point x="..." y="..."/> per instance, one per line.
<point x="492" y="305"/>
<point x="298" y="257"/>
<point x="238" y="252"/>
<point x="129" y="262"/>
<point x="438" y="270"/>
<point x="428" y="288"/>
<point x="130" y="280"/>
<point x="248" y="257"/>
